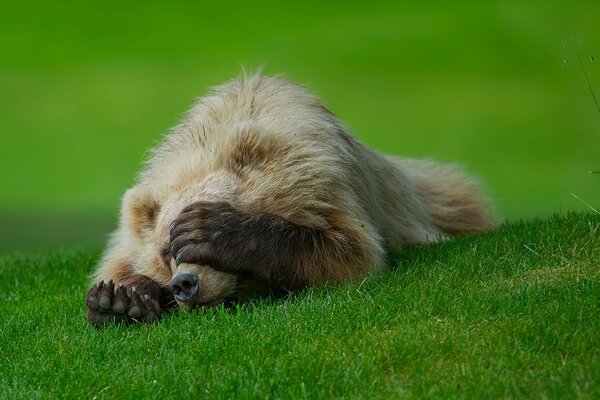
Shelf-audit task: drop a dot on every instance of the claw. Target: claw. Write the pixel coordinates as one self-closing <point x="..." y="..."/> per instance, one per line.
<point x="151" y="308"/>
<point x="92" y="298"/>
<point x="120" y="303"/>
<point x="135" y="307"/>
<point x="106" y="296"/>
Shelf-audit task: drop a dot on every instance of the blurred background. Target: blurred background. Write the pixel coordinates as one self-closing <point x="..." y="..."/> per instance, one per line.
<point x="86" y="88"/>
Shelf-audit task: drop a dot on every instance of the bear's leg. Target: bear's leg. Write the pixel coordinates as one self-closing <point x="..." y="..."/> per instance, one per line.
<point x="126" y="297"/>
<point x="272" y="248"/>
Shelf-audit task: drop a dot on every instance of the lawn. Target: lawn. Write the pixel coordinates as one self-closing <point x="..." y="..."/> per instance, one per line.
<point x="504" y="88"/>
<point x="513" y="313"/>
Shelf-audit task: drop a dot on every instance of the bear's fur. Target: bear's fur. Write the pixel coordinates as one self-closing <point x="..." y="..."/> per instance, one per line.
<point x="260" y="185"/>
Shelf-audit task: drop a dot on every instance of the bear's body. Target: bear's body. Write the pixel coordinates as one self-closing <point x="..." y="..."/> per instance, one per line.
<point x="261" y="185"/>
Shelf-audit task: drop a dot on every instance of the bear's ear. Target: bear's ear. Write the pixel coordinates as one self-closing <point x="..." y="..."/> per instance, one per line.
<point x="139" y="210"/>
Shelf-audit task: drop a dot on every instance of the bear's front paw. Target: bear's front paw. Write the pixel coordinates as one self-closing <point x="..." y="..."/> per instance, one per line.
<point x="108" y="304"/>
<point x="206" y="233"/>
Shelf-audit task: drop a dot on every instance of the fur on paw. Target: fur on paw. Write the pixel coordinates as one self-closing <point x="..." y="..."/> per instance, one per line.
<point x="206" y="233"/>
<point x="108" y="305"/>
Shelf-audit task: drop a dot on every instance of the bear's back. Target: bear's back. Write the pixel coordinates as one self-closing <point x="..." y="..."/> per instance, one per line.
<point x="269" y="107"/>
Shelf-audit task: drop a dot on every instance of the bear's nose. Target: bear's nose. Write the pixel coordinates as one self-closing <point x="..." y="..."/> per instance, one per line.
<point x="185" y="286"/>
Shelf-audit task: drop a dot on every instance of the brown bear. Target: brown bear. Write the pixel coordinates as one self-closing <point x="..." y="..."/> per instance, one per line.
<point x="260" y="186"/>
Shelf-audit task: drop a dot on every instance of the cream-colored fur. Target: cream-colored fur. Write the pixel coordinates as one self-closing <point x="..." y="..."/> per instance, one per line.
<point x="266" y="145"/>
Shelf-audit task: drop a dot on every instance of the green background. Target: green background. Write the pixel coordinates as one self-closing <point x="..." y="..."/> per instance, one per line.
<point x="86" y="88"/>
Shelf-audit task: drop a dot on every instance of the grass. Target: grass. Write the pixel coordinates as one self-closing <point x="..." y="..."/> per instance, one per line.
<point x="496" y="86"/>
<point x="513" y="313"/>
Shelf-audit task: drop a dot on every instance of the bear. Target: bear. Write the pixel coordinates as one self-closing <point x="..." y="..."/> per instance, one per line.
<point x="260" y="187"/>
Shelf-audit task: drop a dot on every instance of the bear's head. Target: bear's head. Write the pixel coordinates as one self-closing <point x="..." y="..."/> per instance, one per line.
<point x="201" y="285"/>
<point x="148" y="217"/>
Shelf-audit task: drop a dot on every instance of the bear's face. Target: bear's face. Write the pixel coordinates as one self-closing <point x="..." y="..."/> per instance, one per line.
<point x="213" y="287"/>
<point x="205" y="286"/>
<point x="149" y="219"/>
<point x="202" y="286"/>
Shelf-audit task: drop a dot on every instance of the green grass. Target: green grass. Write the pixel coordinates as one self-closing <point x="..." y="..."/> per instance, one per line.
<point x="87" y="87"/>
<point x="513" y="313"/>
